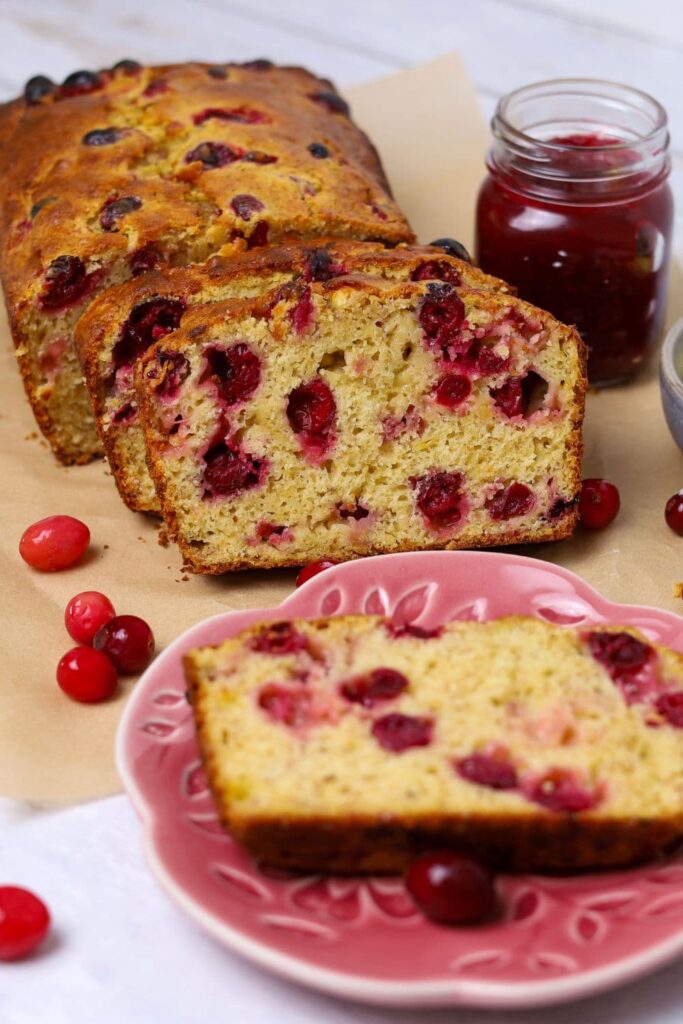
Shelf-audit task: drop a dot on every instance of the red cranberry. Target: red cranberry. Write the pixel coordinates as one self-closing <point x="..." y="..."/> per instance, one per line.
<point x="24" y="922"/>
<point x="321" y="267"/>
<point x="333" y="101"/>
<point x="301" y="314"/>
<point x="148" y="321"/>
<point x="241" y="115"/>
<point x="114" y="209"/>
<point x="176" y="370"/>
<point x="440" y="498"/>
<point x="87" y="675"/>
<point x="452" y="390"/>
<point x="255" y="156"/>
<point x="229" y="471"/>
<point x="236" y="371"/>
<point x="620" y="653"/>
<point x="311" y="570"/>
<point x="520" y="396"/>
<point x="258" y="64"/>
<point x="245" y="206"/>
<point x="379" y="685"/>
<point x="311" y="411"/>
<point x="558" y="789"/>
<point x="127" y="67"/>
<point x="155" y="88"/>
<point x="55" y="543"/>
<point x="284" y="704"/>
<point x="436" y="270"/>
<point x="451" y="889"/>
<point x="85" y="613"/>
<point x="599" y="503"/>
<point x="128" y="641"/>
<point x="441" y="316"/>
<point x="673" y="513"/>
<point x="670" y="707"/>
<point x="214" y="154"/>
<point x="510" y="502"/>
<point x="561" y="507"/>
<point x="259" y="235"/>
<point x="481" y="359"/>
<point x="38" y="87"/>
<point x="397" y="732"/>
<point x="144" y="259"/>
<point x="398" y="630"/>
<point x="66" y="280"/>
<point x="319" y="151"/>
<point x="80" y="82"/>
<point x="486" y="770"/>
<point x="453" y="248"/>
<point x="102" y="137"/>
<point x="279" y="638"/>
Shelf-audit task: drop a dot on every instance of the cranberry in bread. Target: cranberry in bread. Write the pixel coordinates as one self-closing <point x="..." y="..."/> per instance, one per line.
<point x="356" y="416"/>
<point x="353" y="743"/>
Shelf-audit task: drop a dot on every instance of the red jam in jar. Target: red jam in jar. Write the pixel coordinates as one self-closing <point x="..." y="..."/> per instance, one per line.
<point x="577" y="213"/>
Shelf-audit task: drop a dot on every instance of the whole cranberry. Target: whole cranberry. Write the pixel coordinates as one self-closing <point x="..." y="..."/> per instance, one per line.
<point x="38" y="87"/>
<point x="311" y="570"/>
<point x="66" y="280"/>
<point x="453" y="248"/>
<point x="599" y="503"/>
<point x="24" y="922"/>
<point x="55" y="543"/>
<point x="451" y="889"/>
<point x="673" y="513"/>
<point x="85" y="613"/>
<point x="128" y="641"/>
<point x="86" y="675"/>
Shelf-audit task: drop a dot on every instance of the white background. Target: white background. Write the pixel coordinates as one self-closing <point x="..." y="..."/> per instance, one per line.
<point x="120" y="952"/>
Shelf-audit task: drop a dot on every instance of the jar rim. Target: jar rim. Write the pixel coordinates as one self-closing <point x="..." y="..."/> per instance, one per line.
<point x="587" y="86"/>
<point x="633" y="122"/>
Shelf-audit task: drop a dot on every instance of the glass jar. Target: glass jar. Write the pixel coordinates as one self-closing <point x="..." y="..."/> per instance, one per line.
<point x="577" y="213"/>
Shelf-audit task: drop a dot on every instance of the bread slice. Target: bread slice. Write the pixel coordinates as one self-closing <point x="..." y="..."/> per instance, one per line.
<point x="118" y="326"/>
<point x="358" y="416"/>
<point x="132" y="167"/>
<point x="351" y="743"/>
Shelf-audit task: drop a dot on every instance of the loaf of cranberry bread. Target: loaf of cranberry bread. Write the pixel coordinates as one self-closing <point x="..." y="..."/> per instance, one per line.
<point x="124" y="321"/>
<point x="352" y="743"/>
<point x="358" y="416"/>
<point x="115" y="172"/>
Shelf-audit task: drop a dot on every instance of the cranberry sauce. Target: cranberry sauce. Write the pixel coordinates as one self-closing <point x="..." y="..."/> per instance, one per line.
<point x="577" y="213"/>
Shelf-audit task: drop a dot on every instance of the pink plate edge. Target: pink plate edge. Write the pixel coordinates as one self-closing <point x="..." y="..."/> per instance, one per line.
<point x="453" y="992"/>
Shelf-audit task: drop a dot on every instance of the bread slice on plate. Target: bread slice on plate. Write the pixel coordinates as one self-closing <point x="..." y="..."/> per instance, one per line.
<point x="125" y="320"/>
<point x="352" y="743"/>
<point x="357" y="416"/>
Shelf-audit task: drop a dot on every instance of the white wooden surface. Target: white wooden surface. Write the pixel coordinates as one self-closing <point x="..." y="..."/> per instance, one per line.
<point x="120" y="951"/>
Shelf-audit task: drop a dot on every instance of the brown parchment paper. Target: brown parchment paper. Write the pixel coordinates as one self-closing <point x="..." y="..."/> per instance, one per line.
<point x="428" y="128"/>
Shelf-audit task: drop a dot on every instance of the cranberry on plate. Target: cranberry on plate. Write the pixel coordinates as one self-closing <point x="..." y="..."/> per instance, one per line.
<point x="86" y="675"/>
<point x="451" y="889"/>
<point x="599" y="503"/>
<point x="128" y="641"/>
<point x="55" y="543"/>
<point x="24" y="922"/>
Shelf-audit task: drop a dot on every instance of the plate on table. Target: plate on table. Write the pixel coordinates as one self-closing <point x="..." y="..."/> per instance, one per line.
<point x="558" y="938"/>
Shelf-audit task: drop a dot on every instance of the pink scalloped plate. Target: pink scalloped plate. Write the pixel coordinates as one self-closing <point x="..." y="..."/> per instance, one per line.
<point x="559" y="938"/>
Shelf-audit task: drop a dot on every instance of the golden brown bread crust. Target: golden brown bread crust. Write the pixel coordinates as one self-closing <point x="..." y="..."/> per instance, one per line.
<point x="201" y="317"/>
<point x="546" y="841"/>
<point x="261" y="122"/>
<point x="220" y="277"/>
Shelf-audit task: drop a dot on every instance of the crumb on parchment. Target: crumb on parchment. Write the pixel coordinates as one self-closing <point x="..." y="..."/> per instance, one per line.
<point x="678" y="589"/>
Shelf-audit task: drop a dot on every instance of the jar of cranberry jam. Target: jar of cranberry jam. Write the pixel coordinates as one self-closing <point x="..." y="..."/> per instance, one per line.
<point x="577" y="213"/>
